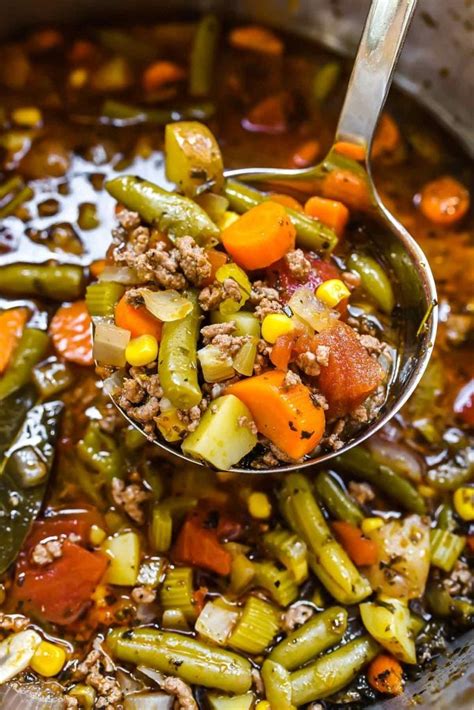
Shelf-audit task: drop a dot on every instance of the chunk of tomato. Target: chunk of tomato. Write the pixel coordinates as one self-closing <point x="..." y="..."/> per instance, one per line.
<point x="200" y="546"/>
<point x="351" y="374"/>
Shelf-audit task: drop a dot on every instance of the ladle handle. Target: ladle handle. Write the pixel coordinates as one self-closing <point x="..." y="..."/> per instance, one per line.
<point x="382" y="39"/>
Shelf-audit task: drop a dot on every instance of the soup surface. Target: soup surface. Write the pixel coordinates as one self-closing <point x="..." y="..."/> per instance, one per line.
<point x="129" y="580"/>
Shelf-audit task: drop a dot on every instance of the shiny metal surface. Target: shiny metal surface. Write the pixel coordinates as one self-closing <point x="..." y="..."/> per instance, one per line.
<point x="436" y="66"/>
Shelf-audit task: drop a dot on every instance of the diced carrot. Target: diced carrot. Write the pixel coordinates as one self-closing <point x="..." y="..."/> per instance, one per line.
<point x="351" y="374"/>
<point x="199" y="598"/>
<point x="82" y="51"/>
<point x="444" y="201"/>
<point x="256" y="39"/>
<point x="44" y="40"/>
<point x="286" y="201"/>
<point x="71" y="333"/>
<point x="217" y="259"/>
<point x="139" y="321"/>
<point x="260" y="237"/>
<point x="97" y="267"/>
<point x="360" y="549"/>
<point x="348" y="187"/>
<point x="350" y="150"/>
<point x="281" y="352"/>
<point x="306" y="153"/>
<point x="270" y="115"/>
<point x="385" y="674"/>
<point x="12" y="323"/>
<point x="387" y="137"/>
<point x="197" y="545"/>
<point x="285" y="415"/>
<point x="160" y="73"/>
<point x="332" y="213"/>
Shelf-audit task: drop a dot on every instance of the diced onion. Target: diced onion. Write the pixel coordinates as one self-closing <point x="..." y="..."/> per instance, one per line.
<point x="216" y="365"/>
<point x="154" y="700"/>
<point x="216" y="622"/>
<point x="311" y="310"/>
<point x="166" y="305"/>
<point x="119" y="274"/>
<point x="31" y="696"/>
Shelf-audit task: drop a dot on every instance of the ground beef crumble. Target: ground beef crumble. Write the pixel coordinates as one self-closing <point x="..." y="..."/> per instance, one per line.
<point x="130" y="498"/>
<point x="248" y="423"/>
<point x="296" y="615"/>
<point x="212" y="296"/>
<point x="182" y="691"/>
<point x="46" y="552"/>
<point x="460" y="580"/>
<point x="362" y="492"/>
<point x="95" y="671"/>
<point x="265" y="299"/>
<point x="298" y="265"/>
<point x="143" y="595"/>
<point x="209" y="332"/>
<point x="193" y="261"/>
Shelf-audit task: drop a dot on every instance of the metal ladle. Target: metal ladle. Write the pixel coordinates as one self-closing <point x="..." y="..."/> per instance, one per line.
<point x="383" y="36"/>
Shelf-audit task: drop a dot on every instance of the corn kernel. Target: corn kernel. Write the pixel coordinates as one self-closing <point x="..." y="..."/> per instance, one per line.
<point x="426" y="491"/>
<point x="463" y="500"/>
<point x="274" y="325"/>
<point x="27" y="116"/>
<point x="227" y="219"/>
<point x="259" y="505"/>
<point x="142" y="350"/>
<point x="263" y="705"/>
<point x="48" y="659"/>
<point x="97" y="535"/>
<point x="332" y="292"/>
<point x="369" y="524"/>
<point x="78" y="78"/>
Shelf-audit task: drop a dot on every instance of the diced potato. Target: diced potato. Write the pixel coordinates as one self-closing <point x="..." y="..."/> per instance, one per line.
<point x="110" y="343"/>
<point x="193" y="156"/>
<point x="389" y="621"/>
<point x="216" y="366"/>
<point x="246" y="323"/>
<point x="220" y="439"/>
<point x="215" y="622"/>
<point x="124" y="553"/>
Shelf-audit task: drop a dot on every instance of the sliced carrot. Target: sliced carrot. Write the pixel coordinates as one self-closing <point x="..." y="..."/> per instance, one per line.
<point x="256" y="39"/>
<point x="286" y="201"/>
<point x="82" y="51"/>
<point x="350" y="150"/>
<point x="260" y="237"/>
<point x="348" y="187"/>
<point x="281" y="352"/>
<point x="332" y="213"/>
<point x="270" y="115"/>
<point x="12" y="323"/>
<point x="160" y="73"/>
<point x="387" y="137"/>
<point x="71" y="333"/>
<point x="139" y="321"/>
<point x="351" y="375"/>
<point x="285" y="415"/>
<point x="360" y="549"/>
<point x="306" y="153"/>
<point x="46" y="39"/>
<point x="197" y="545"/>
<point x="217" y="259"/>
<point x="97" y="267"/>
<point x="385" y="674"/>
<point x="444" y="201"/>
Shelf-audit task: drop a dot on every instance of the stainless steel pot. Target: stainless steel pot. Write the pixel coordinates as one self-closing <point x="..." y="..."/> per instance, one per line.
<point x="436" y="66"/>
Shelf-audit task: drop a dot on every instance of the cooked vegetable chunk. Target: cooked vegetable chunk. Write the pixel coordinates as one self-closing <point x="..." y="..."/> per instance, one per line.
<point x="193" y="157"/>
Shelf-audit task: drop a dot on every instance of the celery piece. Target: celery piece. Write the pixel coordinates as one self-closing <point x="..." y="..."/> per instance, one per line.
<point x="161" y="529"/>
<point x="124" y="553"/>
<point x="102" y="296"/>
<point x="244" y="361"/>
<point x="220" y="439"/>
<point x="445" y="548"/>
<point x="278" y="582"/>
<point x="246" y="323"/>
<point x="290" y="550"/>
<point x="256" y="627"/>
<point x="177" y="591"/>
<point x="231" y="702"/>
<point x="216" y="366"/>
<point x="242" y="573"/>
<point x="388" y="621"/>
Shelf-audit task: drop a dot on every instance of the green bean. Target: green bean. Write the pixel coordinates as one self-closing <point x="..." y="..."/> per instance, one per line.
<point x="449" y="476"/>
<point x="21" y="496"/>
<point x="359" y="463"/>
<point x="332" y="672"/>
<point x="445" y="518"/>
<point x="12" y="413"/>
<point x="25" y="194"/>
<point x="60" y="282"/>
<point x="100" y="453"/>
<point x="290" y="550"/>
<point x="310" y="234"/>
<point x="182" y="656"/>
<point x="175" y="215"/>
<point x="325" y="80"/>
<point x="120" y="110"/>
<point x="374" y="280"/>
<point x="316" y="635"/>
<point x="327" y="558"/>
<point x="336" y="500"/>
<point x="203" y="56"/>
<point x="276" y="680"/>
<point x="442" y="604"/>
<point x="177" y="364"/>
<point x="10" y="185"/>
<point x="30" y="350"/>
<point x="124" y="43"/>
